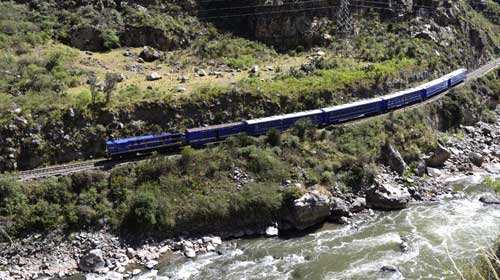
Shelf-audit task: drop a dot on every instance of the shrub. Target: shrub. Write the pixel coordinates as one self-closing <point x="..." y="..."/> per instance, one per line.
<point x="274" y="137"/>
<point x="143" y="212"/>
<point x="12" y="198"/>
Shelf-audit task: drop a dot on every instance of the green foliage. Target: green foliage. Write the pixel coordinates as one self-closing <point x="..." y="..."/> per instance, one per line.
<point x="493" y="184"/>
<point x="235" y="52"/>
<point x="143" y="211"/>
<point x="274" y="137"/>
<point x="111" y="39"/>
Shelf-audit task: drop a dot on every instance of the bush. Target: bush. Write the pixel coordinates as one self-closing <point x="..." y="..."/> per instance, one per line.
<point x="143" y="212"/>
<point x="274" y="137"/>
<point x="12" y="198"/>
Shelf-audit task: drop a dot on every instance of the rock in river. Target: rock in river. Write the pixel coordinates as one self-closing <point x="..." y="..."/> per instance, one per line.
<point x="310" y="209"/>
<point x="387" y="197"/>
<point x="490" y="198"/>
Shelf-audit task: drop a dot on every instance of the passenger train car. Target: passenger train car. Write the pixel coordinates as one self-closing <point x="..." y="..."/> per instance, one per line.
<point x="201" y="136"/>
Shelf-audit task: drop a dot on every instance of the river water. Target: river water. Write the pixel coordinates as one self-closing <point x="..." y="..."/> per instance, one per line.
<point x="436" y="234"/>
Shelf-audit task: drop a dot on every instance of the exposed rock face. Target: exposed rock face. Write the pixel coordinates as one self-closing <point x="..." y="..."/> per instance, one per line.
<point x="92" y="262"/>
<point x="394" y="159"/>
<point x="490" y="199"/>
<point x="310" y="209"/>
<point x="149" y="54"/>
<point x="87" y="38"/>
<point x="139" y="36"/>
<point x="387" y="197"/>
<point x="438" y="157"/>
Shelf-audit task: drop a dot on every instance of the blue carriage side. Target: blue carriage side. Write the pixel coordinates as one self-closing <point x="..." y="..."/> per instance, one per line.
<point x="144" y="144"/>
<point x="403" y="98"/>
<point x="457" y="77"/>
<point x="200" y="136"/>
<point x="352" y="110"/>
<point x="435" y="86"/>
<point x="261" y="126"/>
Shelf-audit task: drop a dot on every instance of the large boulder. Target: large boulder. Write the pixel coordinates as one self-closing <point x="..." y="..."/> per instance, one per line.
<point x="310" y="209"/>
<point x="394" y="159"/>
<point x="93" y="261"/>
<point x="490" y="198"/>
<point x="438" y="157"/>
<point x="387" y="197"/>
<point x="149" y="54"/>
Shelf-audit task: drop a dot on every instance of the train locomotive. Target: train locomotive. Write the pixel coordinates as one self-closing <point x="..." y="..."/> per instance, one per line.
<point x="201" y="136"/>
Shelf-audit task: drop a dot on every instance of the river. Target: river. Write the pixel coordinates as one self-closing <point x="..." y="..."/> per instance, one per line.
<point x="436" y="233"/>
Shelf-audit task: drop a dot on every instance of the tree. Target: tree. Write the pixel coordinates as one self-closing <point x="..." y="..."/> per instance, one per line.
<point x="92" y="80"/>
<point x="110" y="85"/>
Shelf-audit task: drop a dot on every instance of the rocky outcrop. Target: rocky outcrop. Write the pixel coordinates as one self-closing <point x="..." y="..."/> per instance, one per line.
<point x="490" y="198"/>
<point x="393" y="158"/>
<point x="139" y="36"/>
<point x="310" y="209"/>
<point x="383" y="196"/>
<point x="339" y="211"/>
<point x="87" y="38"/>
<point x="438" y="157"/>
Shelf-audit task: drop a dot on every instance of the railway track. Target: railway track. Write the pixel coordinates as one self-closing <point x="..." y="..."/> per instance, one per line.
<point x="64" y="169"/>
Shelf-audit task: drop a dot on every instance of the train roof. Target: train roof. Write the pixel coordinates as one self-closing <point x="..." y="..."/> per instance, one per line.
<point x="140" y="138"/>
<point x="211" y="127"/>
<point x="354" y="104"/>
<point x="403" y="92"/>
<point x="285" y="116"/>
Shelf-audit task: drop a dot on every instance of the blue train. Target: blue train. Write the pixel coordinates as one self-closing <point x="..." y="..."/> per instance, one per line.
<point x="201" y="136"/>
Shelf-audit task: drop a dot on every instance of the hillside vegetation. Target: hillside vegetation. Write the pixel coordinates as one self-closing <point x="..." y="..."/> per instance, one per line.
<point x="245" y="182"/>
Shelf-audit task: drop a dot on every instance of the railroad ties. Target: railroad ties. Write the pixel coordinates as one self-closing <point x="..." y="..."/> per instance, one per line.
<point x="60" y="170"/>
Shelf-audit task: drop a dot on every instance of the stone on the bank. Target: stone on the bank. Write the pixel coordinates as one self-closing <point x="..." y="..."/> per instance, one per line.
<point x="389" y="268"/>
<point x="153" y="76"/>
<point x="201" y="73"/>
<point x="358" y="205"/>
<point x="420" y="168"/>
<point x="210" y="247"/>
<point x="476" y="158"/>
<point x="438" y="157"/>
<point x="136" y="272"/>
<point x="394" y="159"/>
<point x="216" y="240"/>
<point x="340" y="208"/>
<point x="151" y="264"/>
<point x="254" y="69"/>
<point x="433" y="172"/>
<point x="490" y="198"/>
<point x="272" y="231"/>
<point x="93" y="261"/>
<point x="310" y="209"/>
<point x="190" y="253"/>
<point x="387" y="197"/>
